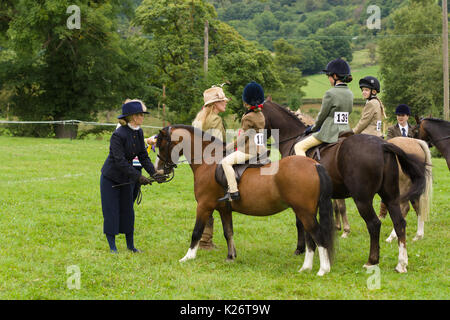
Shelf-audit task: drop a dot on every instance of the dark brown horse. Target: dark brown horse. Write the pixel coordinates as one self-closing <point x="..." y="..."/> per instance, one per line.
<point x="422" y="206"/>
<point x="264" y="191"/>
<point x="360" y="166"/>
<point x="436" y="132"/>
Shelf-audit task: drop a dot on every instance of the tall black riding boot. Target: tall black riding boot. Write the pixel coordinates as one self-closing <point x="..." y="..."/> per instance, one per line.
<point x="130" y="242"/>
<point x="112" y="242"/>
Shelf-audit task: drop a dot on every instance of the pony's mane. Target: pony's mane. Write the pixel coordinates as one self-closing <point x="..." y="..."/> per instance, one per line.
<point x="441" y="121"/>
<point x="289" y="112"/>
<point x="197" y="132"/>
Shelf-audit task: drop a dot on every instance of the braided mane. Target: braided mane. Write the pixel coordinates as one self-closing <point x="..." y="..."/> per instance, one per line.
<point x="289" y="112"/>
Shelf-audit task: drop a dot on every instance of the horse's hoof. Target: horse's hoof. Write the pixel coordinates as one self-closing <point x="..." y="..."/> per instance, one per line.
<point x="322" y="272"/>
<point x="400" y="268"/>
<point x="369" y="265"/>
<point x="298" y="252"/>
<point x="302" y="269"/>
<point x="345" y="234"/>
<point x="229" y="260"/>
<point x="418" y="237"/>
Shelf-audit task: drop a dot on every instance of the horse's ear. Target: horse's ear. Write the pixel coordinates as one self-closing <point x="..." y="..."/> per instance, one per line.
<point x="417" y="118"/>
<point x="269" y="98"/>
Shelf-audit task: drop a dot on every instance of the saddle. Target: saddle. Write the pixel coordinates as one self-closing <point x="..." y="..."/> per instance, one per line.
<point x="255" y="162"/>
<point x="314" y="153"/>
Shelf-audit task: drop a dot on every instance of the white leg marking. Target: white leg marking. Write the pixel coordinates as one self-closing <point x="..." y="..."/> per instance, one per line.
<point x="392" y="236"/>
<point x="402" y="259"/>
<point x="420" y="229"/>
<point x="324" y="261"/>
<point x="191" y="254"/>
<point x="308" y="263"/>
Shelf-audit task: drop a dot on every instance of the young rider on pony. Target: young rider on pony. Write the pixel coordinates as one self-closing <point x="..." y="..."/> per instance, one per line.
<point x="337" y="104"/>
<point x="371" y="121"/>
<point x="250" y="141"/>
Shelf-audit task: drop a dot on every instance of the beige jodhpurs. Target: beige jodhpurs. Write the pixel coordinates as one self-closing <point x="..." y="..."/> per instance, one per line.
<point x="302" y="146"/>
<point x="227" y="165"/>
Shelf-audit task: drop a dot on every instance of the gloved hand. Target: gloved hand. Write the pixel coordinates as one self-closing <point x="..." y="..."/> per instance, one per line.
<point x="160" y="178"/>
<point x="144" y="181"/>
<point x="308" y="130"/>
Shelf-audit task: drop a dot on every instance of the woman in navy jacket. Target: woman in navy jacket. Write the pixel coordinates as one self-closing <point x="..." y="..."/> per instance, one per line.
<point x="126" y="143"/>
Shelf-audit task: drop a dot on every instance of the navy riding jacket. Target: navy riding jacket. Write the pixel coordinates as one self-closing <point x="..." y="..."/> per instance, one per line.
<point x="125" y="145"/>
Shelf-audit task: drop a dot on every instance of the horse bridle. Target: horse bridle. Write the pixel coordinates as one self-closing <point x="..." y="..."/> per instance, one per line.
<point x="168" y="164"/>
<point x="431" y="142"/>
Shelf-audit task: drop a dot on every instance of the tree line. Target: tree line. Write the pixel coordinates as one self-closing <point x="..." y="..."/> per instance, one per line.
<point x="134" y="49"/>
<point x="121" y="50"/>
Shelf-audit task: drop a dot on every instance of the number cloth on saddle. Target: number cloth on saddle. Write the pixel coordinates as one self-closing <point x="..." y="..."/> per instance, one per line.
<point x="255" y="162"/>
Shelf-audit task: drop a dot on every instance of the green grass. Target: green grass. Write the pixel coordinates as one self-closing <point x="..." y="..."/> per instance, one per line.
<point x="50" y="219"/>
<point x="318" y="83"/>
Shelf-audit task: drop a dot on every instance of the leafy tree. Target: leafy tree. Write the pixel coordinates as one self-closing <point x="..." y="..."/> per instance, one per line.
<point x="175" y="30"/>
<point x="287" y="61"/>
<point x="314" y="57"/>
<point x="428" y="80"/>
<point x="59" y="73"/>
<point x="414" y="27"/>
<point x="336" y="41"/>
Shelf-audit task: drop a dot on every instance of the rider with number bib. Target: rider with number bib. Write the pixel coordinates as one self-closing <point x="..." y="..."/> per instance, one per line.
<point x="250" y="141"/>
<point x="371" y="121"/>
<point x="337" y="104"/>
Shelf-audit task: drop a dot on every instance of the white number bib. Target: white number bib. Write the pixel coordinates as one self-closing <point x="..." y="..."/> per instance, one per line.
<point x="259" y="139"/>
<point x="341" y="117"/>
<point x="379" y="125"/>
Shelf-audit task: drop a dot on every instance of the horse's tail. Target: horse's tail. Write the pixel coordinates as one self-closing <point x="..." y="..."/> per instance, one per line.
<point x="326" y="222"/>
<point x="426" y="196"/>
<point x="412" y="167"/>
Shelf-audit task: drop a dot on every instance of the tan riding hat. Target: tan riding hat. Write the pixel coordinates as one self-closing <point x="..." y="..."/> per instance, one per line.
<point x="214" y="94"/>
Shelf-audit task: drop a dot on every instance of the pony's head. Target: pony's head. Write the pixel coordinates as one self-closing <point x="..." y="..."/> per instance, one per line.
<point x="165" y="146"/>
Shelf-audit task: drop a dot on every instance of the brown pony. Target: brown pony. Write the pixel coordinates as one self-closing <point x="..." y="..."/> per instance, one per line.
<point x="359" y="166"/>
<point x="264" y="191"/>
<point x="436" y="132"/>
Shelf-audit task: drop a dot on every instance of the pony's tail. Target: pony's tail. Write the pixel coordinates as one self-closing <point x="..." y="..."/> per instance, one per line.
<point x="326" y="222"/>
<point x="426" y="196"/>
<point x="412" y="167"/>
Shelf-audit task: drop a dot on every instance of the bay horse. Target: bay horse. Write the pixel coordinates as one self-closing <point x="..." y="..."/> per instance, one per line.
<point x="436" y="132"/>
<point x="306" y="191"/>
<point x="422" y="206"/>
<point x="359" y="166"/>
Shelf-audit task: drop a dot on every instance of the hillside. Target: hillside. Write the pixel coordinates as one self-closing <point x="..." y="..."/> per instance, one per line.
<point x="321" y="29"/>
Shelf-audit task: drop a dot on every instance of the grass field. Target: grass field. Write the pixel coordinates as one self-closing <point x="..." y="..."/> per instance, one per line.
<point x="318" y="83"/>
<point x="51" y="219"/>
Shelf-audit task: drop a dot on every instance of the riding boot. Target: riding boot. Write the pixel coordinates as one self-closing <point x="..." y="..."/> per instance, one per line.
<point x="383" y="211"/>
<point x="229" y="196"/>
<point x="206" y="240"/>
<point x="130" y="242"/>
<point x="112" y="242"/>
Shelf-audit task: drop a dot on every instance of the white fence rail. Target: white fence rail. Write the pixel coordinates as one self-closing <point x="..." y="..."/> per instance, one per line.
<point x="69" y="122"/>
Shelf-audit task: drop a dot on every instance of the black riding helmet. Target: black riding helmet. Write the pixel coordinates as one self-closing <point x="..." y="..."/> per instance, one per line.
<point x="370" y="82"/>
<point x="340" y="68"/>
